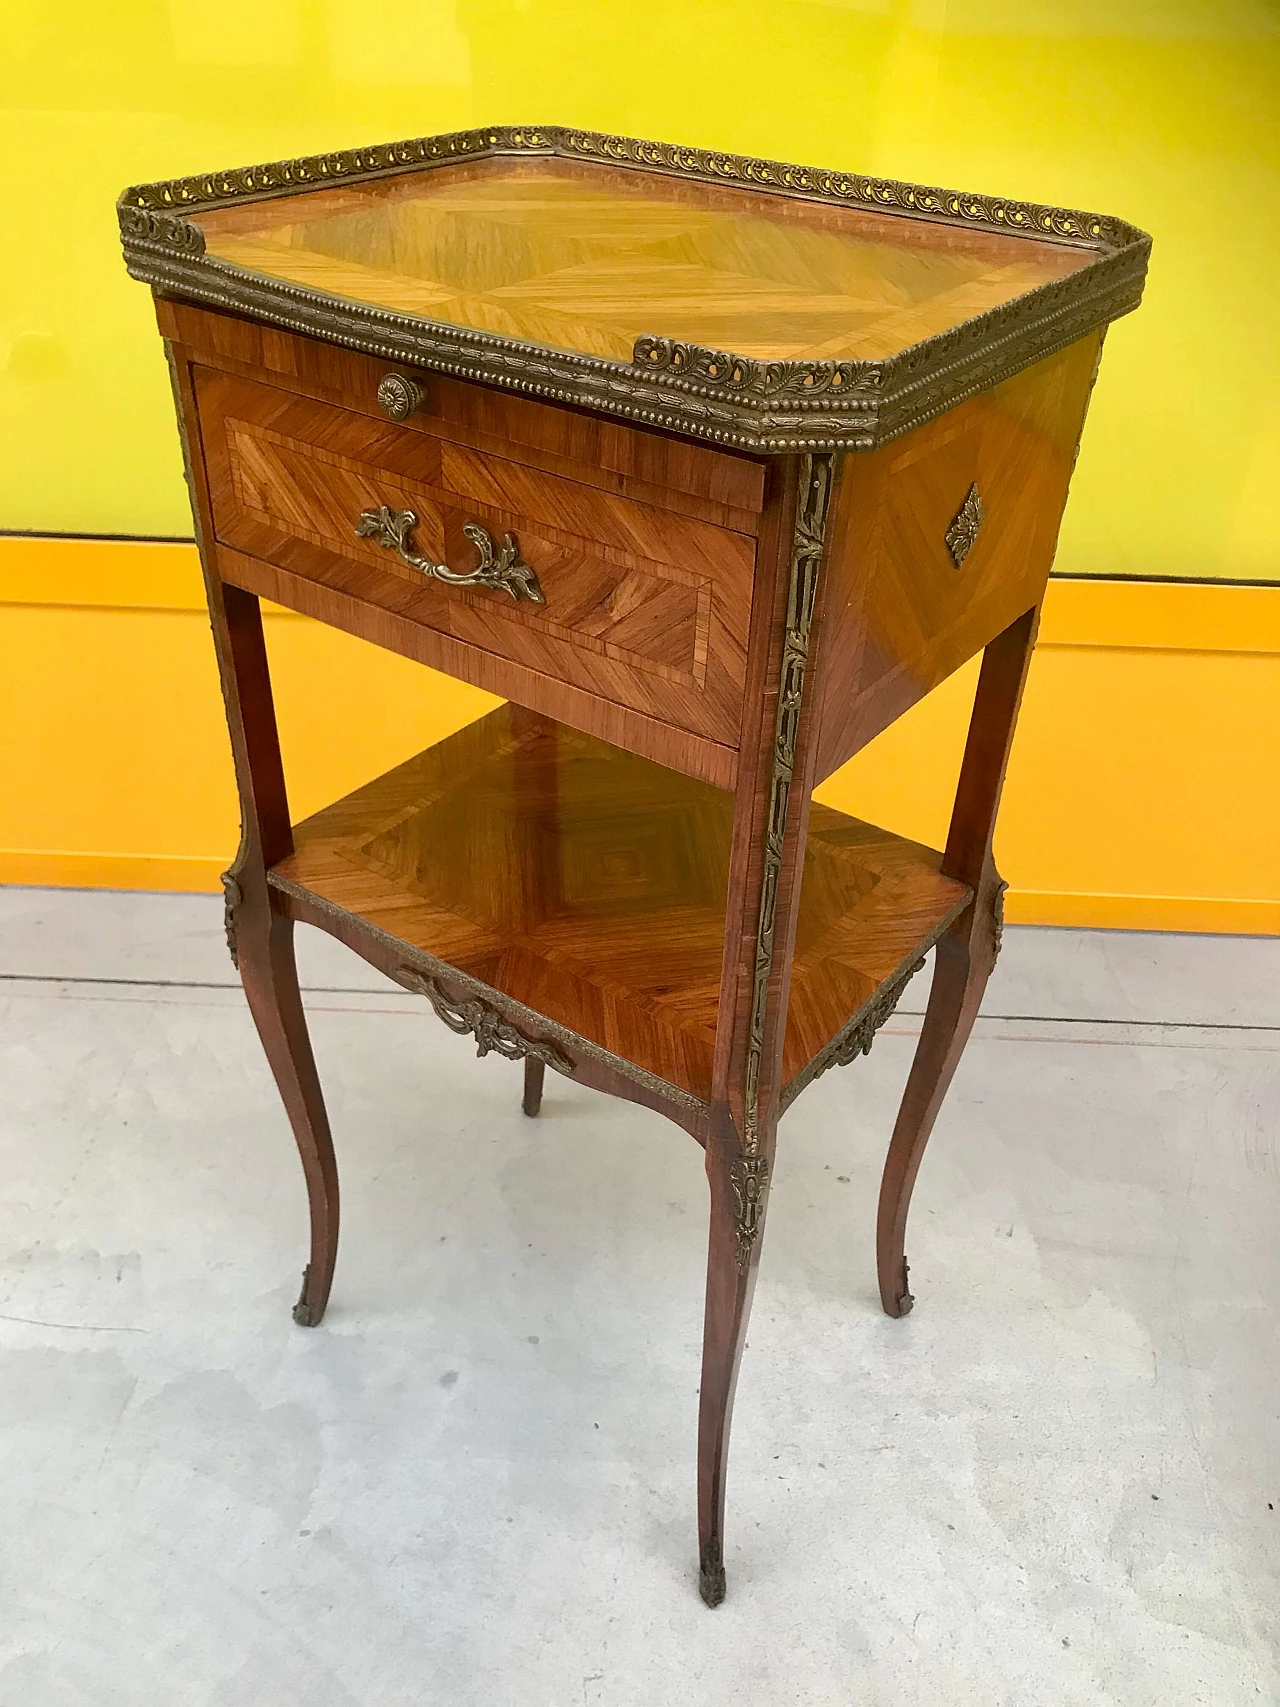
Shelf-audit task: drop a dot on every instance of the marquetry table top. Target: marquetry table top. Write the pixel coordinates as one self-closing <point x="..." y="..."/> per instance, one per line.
<point x="590" y="258"/>
<point x="762" y="305"/>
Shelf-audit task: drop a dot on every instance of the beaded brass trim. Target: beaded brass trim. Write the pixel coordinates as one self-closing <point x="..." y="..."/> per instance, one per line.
<point x="816" y="183"/>
<point x="344" y="166"/>
<point x="765" y="407"/>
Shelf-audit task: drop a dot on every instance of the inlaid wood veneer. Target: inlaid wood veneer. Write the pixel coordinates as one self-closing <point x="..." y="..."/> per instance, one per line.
<point x="587" y="257"/>
<point x="590" y="886"/>
<point x="642" y="607"/>
<point x="711" y="467"/>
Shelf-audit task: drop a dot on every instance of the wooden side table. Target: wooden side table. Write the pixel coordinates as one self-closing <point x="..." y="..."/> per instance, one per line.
<point x="711" y="467"/>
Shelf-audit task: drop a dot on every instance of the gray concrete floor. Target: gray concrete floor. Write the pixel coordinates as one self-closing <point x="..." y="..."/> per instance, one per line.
<point x="1055" y="1483"/>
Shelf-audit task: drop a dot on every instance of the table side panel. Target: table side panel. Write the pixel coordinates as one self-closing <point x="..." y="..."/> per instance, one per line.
<point x="869" y="903"/>
<point x="902" y="613"/>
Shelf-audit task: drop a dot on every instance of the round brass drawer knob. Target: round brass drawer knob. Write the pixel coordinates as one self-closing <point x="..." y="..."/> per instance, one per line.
<point x="398" y="397"/>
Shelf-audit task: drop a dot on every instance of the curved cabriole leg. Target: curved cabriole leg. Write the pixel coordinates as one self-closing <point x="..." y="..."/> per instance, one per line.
<point x="260" y="940"/>
<point x="968" y="951"/>
<point x="964" y="960"/>
<point x="732" y="1260"/>
<point x="268" y="970"/>
<point x="534" y="1073"/>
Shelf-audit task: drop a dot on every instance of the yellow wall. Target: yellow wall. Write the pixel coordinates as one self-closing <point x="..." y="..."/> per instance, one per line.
<point x="1163" y="111"/>
<point x="1141" y="791"/>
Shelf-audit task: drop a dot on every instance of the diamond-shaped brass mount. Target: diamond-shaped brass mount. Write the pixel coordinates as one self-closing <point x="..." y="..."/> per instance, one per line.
<point x="964" y="529"/>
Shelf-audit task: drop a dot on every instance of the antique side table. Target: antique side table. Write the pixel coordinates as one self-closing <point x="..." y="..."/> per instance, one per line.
<point x="711" y="467"/>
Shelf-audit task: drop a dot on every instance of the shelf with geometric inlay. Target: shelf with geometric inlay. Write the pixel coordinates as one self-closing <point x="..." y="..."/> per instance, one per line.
<point x="587" y="887"/>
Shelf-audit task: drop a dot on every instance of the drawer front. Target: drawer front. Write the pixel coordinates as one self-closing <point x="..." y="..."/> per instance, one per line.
<point x="643" y="607"/>
<point x="720" y="487"/>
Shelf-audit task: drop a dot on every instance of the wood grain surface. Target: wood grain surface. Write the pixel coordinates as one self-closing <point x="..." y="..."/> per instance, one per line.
<point x="643" y="608"/>
<point x="589" y="258"/>
<point x="259" y="934"/>
<point x="716" y="486"/>
<point x="590" y="886"/>
<point x="901" y="615"/>
<point x="648" y="736"/>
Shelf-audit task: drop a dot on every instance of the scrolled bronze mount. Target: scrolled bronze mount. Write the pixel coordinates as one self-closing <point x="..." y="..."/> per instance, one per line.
<point x="500" y="567"/>
<point x="470" y="1016"/>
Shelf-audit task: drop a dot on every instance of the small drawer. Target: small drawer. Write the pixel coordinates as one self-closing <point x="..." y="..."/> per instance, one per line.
<point x="638" y="605"/>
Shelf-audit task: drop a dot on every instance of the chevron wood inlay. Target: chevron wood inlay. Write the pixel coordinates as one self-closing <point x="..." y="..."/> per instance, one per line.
<point x="590" y="885"/>
<point x="644" y="607"/>
<point x="721" y="487"/>
<point x="902" y="616"/>
<point x="589" y="258"/>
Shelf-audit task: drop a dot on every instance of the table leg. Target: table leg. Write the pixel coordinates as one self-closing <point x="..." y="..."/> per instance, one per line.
<point x="959" y="978"/>
<point x="269" y="972"/>
<point x="731" y="1278"/>
<point x="966" y="954"/>
<point x="534" y="1073"/>
<point x="261" y="937"/>
<point x="777" y="757"/>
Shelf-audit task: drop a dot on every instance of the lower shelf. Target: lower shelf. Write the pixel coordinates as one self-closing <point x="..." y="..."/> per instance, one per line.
<point x="589" y="886"/>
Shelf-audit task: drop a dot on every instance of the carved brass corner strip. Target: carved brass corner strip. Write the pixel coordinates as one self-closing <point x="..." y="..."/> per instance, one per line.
<point x="233" y="895"/>
<point x="816" y="476"/>
<point x="472" y="1017"/>
<point x="749" y="1176"/>
<point x="997" y="920"/>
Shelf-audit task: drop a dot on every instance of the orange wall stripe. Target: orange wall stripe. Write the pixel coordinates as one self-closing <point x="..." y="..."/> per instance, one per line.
<point x="1140" y="793"/>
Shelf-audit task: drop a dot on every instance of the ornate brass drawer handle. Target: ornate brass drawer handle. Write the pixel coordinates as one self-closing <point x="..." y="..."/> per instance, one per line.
<point x="500" y="567"/>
